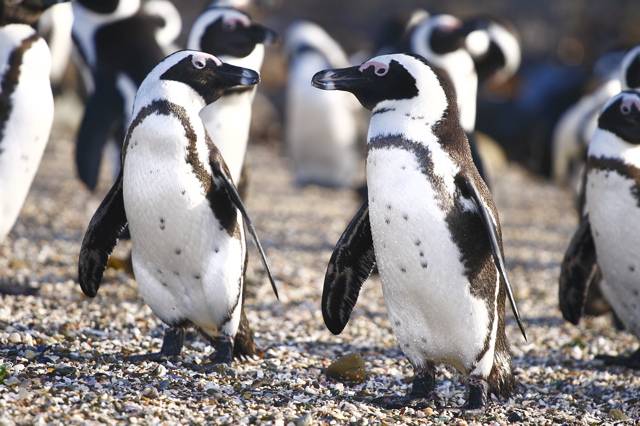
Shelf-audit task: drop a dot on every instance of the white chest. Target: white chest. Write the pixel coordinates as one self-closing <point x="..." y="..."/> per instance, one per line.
<point x="190" y="268"/>
<point x="25" y="132"/>
<point x="614" y="212"/>
<point x="426" y="291"/>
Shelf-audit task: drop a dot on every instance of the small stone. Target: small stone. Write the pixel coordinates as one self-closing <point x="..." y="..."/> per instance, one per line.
<point x="349" y="368"/>
<point x="150" y="392"/>
<point x="15" y="338"/>
<point x="160" y="370"/>
<point x="65" y="370"/>
<point x="428" y="411"/>
<point x="617" y="414"/>
<point x="304" y="420"/>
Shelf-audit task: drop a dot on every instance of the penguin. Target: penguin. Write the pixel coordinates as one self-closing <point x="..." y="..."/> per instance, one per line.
<point x="177" y="197"/>
<point x="441" y="40"/>
<point x="494" y="47"/>
<point x="607" y="236"/>
<point x="55" y="26"/>
<point x="26" y="104"/>
<point x="575" y="128"/>
<point x="321" y="128"/>
<point x="232" y="36"/>
<point x="431" y="228"/>
<point x="120" y="44"/>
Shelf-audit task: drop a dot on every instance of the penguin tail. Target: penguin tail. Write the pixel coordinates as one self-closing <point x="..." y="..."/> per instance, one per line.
<point x="501" y="380"/>
<point x="244" y="345"/>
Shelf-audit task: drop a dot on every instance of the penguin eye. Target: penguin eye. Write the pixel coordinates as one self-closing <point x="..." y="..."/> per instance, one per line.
<point x="199" y="63"/>
<point x="625" y="109"/>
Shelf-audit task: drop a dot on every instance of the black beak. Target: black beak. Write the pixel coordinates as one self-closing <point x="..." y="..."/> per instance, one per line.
<point x="264" y="35"/>
<point x="231" y="76"/>
<point x="346" y="79"/>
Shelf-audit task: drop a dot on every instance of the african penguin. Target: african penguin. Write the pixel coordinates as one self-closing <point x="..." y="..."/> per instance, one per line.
<point x="232" y="36"/>
<point x="574" y="130"/>
<point x="55" y="24"/>
<point x="185" y="216"/>
<point x="608" y="234"/>
<point x="431" y="228"/>
<point x="441" y="40"/>
<point x="26" y="104"/>
<point x="321" y="128"/>
<point x="120" y="42"/>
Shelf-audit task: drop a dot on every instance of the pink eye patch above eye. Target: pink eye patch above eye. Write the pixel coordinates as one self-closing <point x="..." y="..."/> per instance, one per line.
<point x="628" y="102"/>
<point x="235" y="21"/>
<point x="379" y="68"/>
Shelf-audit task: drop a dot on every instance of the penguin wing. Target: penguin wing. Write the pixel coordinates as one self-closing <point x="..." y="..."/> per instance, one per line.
<point x="104" y="110"/>
<point x="467" y="187"/>
<point x="578" y="271"/>
<point x="351" y="263"/>
<point x="101" y="237"/>
<point x="222" y="178"/>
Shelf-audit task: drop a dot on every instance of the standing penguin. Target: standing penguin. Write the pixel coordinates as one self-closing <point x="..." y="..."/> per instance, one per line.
<point x="608" y="235"/>
<point x="233" y="37"/>
<point x="120" y="44"/>
<point x="431" y="228"/>
<point x="183" y="211"/>
<point x="26" y="103"/>
<point x="321" y="128"/>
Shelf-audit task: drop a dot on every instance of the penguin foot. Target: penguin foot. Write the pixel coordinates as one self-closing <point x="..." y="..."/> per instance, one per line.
<point x="121" y="264"/>
<point x="631" y="361"/>
<point x="408" y="401"/>
<point x="477" y="394"/>
<point x="172" y="343"/>
<point x="223" y="350"/>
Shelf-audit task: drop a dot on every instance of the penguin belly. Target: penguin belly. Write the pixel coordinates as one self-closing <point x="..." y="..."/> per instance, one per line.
<point x="228" y="122"/>
<point x="321" y="132"/>
<point x="431" y="309"/>
<point x="188" y="267"/>
<point x="26" y="131"/>
<point x="614" y="213"/>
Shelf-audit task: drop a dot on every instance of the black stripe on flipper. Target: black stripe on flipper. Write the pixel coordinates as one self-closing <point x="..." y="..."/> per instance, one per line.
<point x="607" y="164"/>
<point x="577" y="272"/>
<point x="10" y="81"/>
<point x="101" y="237"/>
<point x="351" y="263"/>
<point x="469" y="190"/>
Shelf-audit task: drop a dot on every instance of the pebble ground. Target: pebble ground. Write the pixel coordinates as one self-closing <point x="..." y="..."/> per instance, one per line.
<point x="62" y="355"/>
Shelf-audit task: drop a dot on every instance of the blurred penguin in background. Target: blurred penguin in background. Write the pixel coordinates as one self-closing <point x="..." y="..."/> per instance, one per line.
<point x="230" y="34"/>
<point x="321" y="127"/>
<point x="614" y="72"/>
<point x="472" y="52"/>
<point x="55" y="26"/>
<point x="26" y="103"/>
<point x="119" y="41"/>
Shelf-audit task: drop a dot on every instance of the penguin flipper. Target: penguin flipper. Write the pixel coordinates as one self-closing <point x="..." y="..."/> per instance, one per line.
<point x="351" y="263"/>
<point x="578" y="271"/>
<point x="468" y="188"/>
<point x="101" y="237"/>
<point x="221" y="176"/>
<point x="104" y="109"/>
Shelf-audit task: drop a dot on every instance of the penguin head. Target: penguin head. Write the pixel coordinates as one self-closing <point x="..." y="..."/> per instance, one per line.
<point x="308" y="38"/>
<point x="435" y="37"/>
<point x="24" y="11"/>
<point x="621" y="116"/>
<point x="228" y="32"/>
<point x="630" y="69"/>
<point x="194" y="78"/>
<point x="399" y="81"/>
<point x="494" y="48"/>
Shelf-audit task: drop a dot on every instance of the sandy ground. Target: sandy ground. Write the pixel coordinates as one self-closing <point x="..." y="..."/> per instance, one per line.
<point x="62" y="354"/>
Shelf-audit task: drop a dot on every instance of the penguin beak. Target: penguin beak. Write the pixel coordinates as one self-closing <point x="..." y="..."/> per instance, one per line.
<point x="231" y="76"/>
<point x="264" y="35"/>
<point x="346" y="79"/>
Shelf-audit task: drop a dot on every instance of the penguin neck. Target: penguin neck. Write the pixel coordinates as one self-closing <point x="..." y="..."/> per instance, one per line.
<point x="173" y="92"/>
<point x="605" y="144"/>
<point x="413" y="119"/>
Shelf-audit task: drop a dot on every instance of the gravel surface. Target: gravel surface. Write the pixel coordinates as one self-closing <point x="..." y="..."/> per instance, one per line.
<point x="62" y="354"/>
